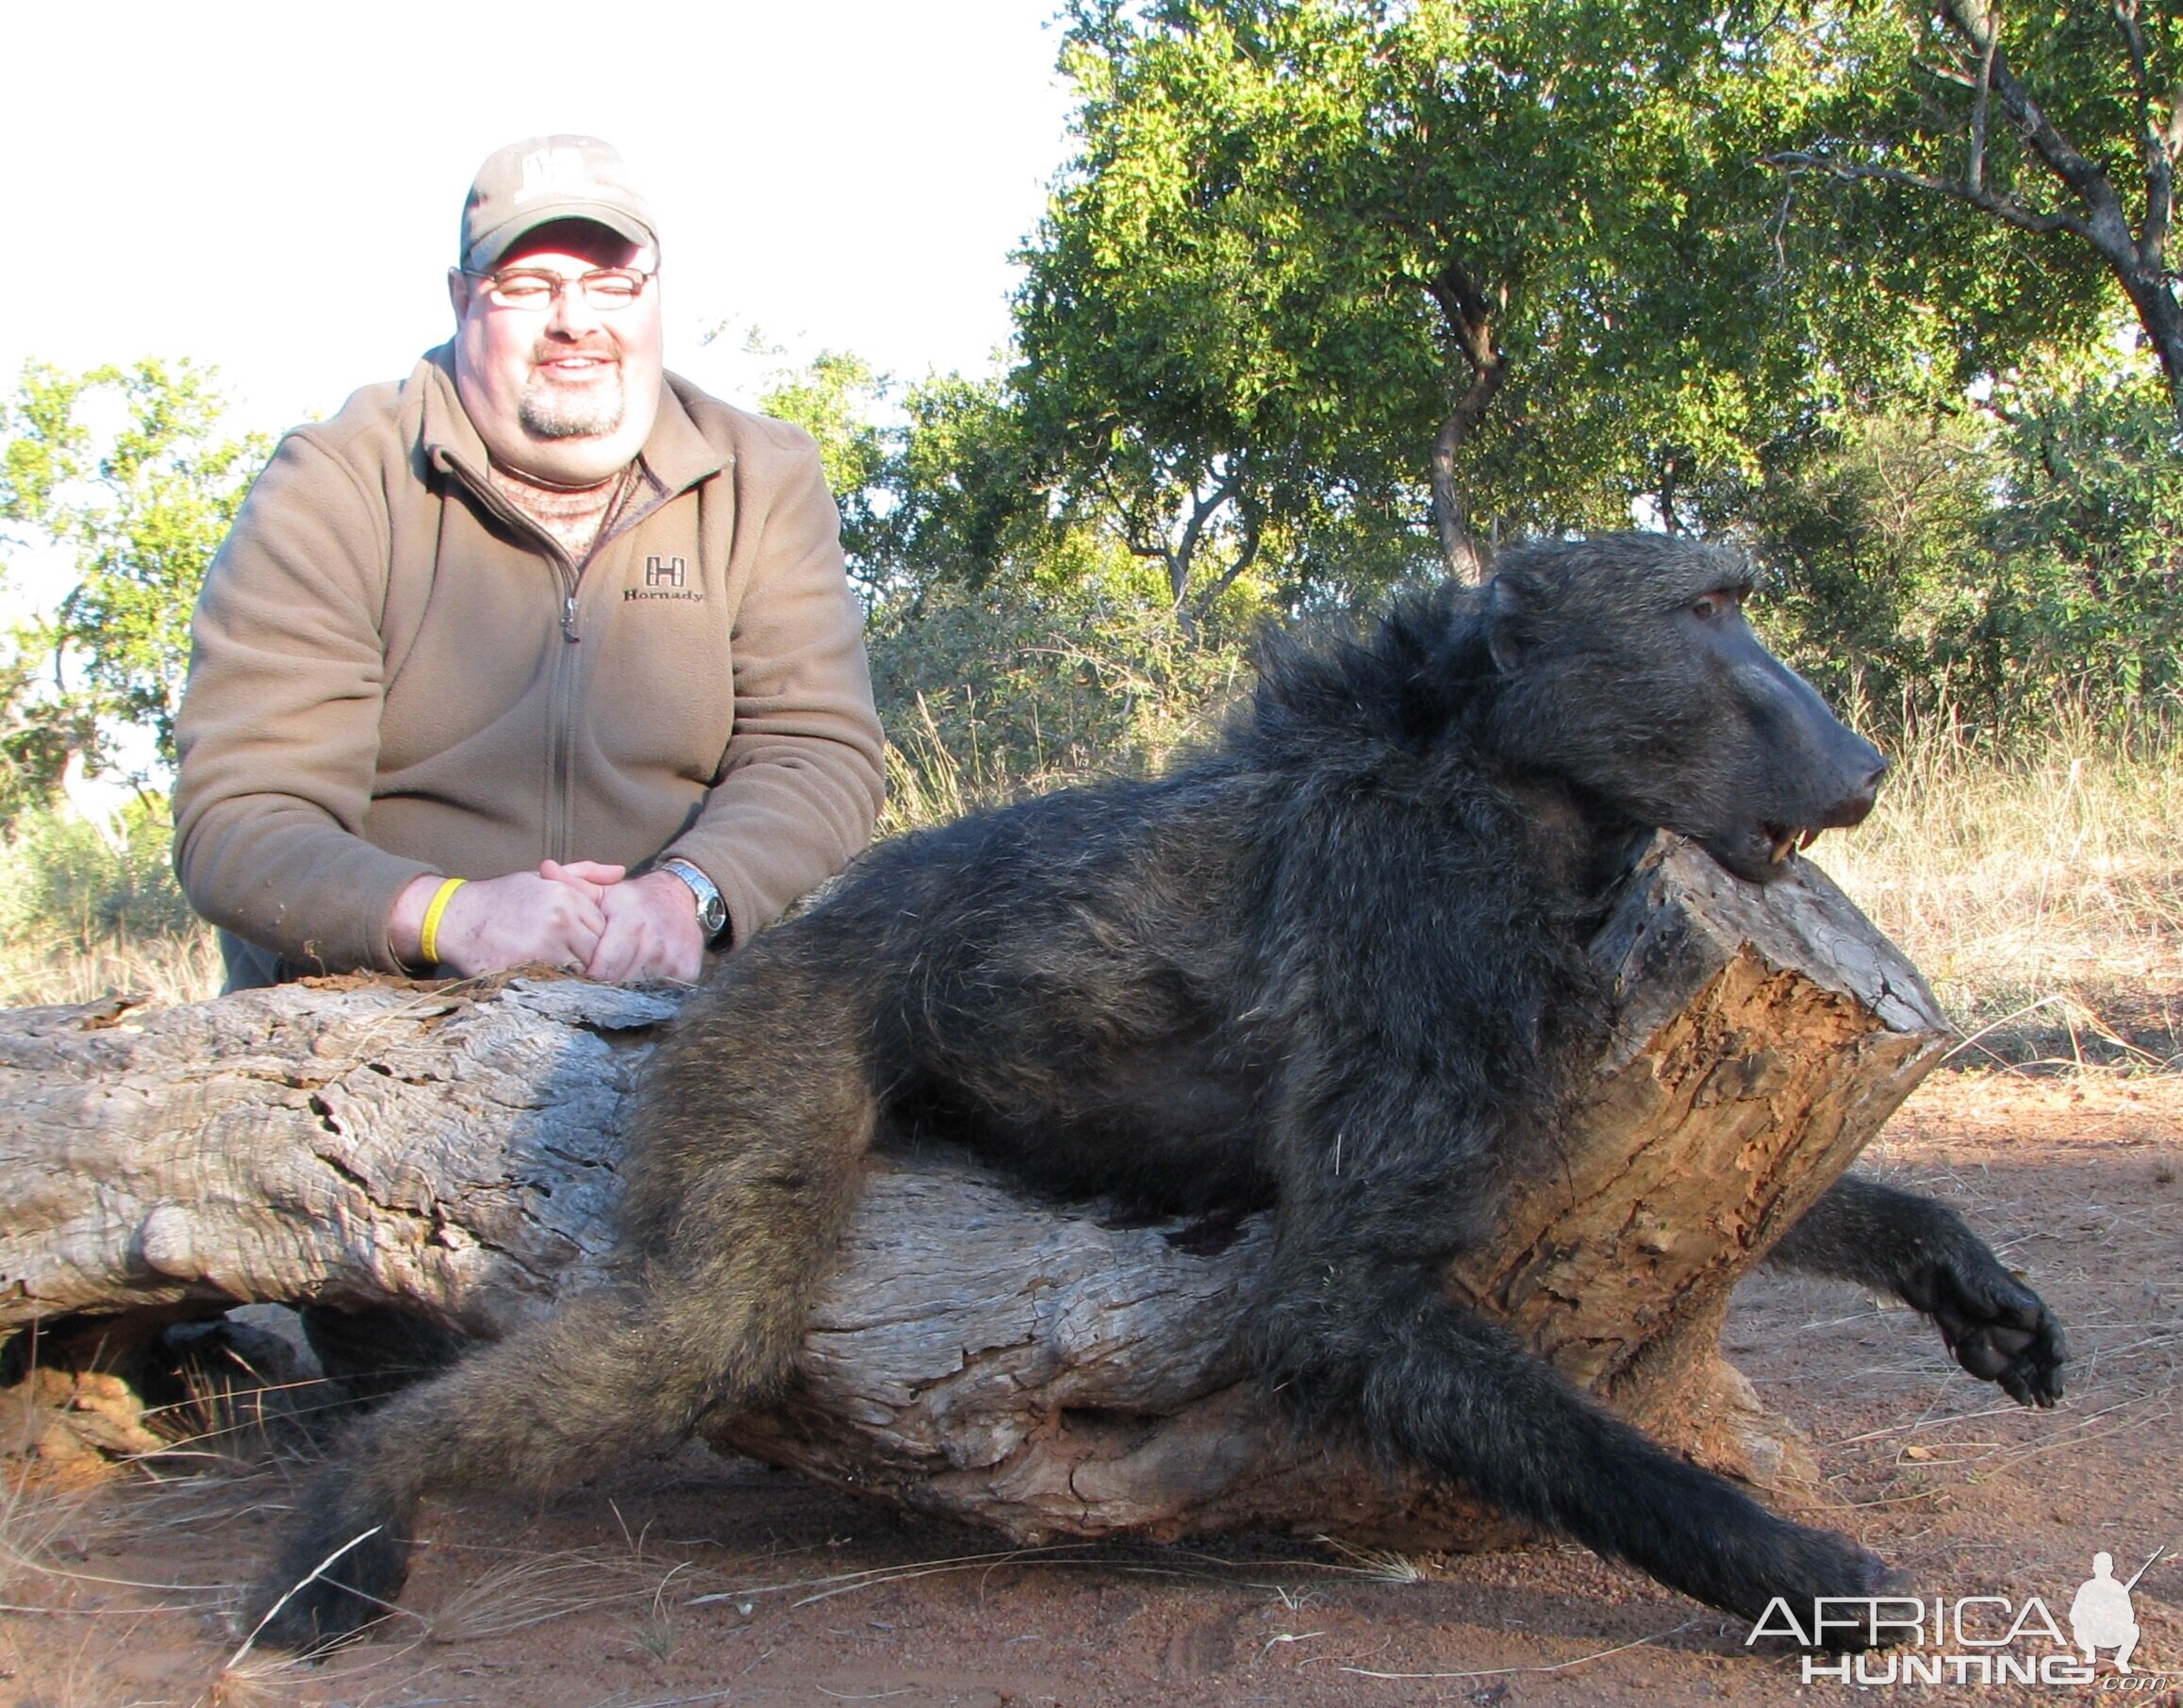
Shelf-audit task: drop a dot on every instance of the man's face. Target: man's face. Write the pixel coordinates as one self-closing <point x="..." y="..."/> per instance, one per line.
<point x="566" y="395"/>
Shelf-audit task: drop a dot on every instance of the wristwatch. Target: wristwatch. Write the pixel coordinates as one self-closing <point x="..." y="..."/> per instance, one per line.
<point x="712" y="910"/>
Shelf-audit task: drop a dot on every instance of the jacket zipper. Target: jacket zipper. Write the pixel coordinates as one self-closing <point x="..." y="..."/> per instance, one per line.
<point x="561" y="743"/>
<point x="563" y="753"/>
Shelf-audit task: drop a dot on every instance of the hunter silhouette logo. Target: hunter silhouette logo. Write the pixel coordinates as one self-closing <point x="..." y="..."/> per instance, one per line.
<point x="2101" y="1616"/>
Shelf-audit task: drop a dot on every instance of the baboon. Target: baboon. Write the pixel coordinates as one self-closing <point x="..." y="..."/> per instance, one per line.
<point x="1335" y="964"/>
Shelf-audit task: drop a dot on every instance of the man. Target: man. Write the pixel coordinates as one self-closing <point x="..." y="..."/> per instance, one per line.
<point x="2101" y="1616"/>
<point x="540" y="655"/>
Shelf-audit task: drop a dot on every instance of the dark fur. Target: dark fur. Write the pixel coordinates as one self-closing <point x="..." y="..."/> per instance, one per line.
<point x="1336" y="963"/>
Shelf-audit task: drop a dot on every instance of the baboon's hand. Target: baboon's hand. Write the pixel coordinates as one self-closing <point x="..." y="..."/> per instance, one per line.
<point x="1997" y="1328"/>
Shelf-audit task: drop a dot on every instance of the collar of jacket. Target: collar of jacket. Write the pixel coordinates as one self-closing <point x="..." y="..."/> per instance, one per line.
<point x="677" y="453"/>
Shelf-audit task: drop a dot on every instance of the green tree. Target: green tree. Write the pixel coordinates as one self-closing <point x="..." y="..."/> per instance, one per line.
<point x="966" y="493"/>
<point x="1323" y="272"/>
<point x="834" y="398"/>
<point x="140" y="506"/>
<point x="2046" y="140"/>
<point x="1991" y="564"/>
<point x="2089" y="529"/>
<point x="1012" y="642"/>
<point x="38" y="726"/>
<point x="1875" y="530"/>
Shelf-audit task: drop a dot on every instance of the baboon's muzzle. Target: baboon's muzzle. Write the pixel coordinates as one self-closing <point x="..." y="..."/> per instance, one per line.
<point x="1806" y="771"/>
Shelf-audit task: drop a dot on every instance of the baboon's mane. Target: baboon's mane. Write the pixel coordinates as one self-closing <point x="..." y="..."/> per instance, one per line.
<point x="1405" y="679"/>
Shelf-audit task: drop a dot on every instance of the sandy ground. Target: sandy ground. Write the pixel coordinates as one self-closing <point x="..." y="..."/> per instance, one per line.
<point x="709" y="1580"/>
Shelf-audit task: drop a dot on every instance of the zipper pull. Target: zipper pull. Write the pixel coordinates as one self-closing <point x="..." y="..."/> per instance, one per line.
<point x="568" y="619"/>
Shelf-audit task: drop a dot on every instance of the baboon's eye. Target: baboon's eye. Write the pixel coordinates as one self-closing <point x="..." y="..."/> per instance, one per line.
<point x="1718" y="603"/>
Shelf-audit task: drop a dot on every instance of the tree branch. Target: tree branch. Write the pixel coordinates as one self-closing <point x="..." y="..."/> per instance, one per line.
<point x="2002" y="207"/>
<point x="1981" y="97"/>
<point x="1246" y="554"/>
<point x="2156" y="145"/>
<point x="1203" y="506"/>
<point x="2105" y="225"/>
<point x="2137" y="257"/>
<point x="1125" y="521"/>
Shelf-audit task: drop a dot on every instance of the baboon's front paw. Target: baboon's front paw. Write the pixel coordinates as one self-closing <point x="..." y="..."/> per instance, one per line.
<point x="1997" y="1328"/>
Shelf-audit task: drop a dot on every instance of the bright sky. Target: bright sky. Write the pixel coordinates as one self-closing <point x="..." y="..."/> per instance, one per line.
<point x="274" y="188"/>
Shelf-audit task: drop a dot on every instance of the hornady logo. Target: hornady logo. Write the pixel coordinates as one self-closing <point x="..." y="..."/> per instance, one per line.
<point x="1974" y="1639"/>
<point x="663" y="579"/>
<point x="552" y="171"/>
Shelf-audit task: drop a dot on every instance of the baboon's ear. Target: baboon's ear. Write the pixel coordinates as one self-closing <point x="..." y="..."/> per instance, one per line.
<point x="1504" y="613"/>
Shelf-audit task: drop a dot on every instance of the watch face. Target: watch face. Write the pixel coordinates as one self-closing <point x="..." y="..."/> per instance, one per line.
<point x="712" y="905"/>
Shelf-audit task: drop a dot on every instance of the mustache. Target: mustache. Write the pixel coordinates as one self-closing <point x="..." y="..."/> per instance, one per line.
<point x="543" y="351"/>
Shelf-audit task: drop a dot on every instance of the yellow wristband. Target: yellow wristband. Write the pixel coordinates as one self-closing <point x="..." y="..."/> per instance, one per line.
<point x="428" y="938"/>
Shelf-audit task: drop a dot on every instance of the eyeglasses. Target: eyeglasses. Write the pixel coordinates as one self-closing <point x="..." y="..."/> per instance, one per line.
<point x="604" y="289"/>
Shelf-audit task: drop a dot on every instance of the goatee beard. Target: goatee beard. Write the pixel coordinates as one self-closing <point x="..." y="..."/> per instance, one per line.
<point x="546" y="411"/>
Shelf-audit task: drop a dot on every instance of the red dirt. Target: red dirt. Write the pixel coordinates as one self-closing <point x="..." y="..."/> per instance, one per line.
<point x="822" y="1601"/>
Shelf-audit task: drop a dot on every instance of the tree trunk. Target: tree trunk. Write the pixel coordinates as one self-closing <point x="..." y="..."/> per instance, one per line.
<point x="2153" y="295"/>
<point x="1469" y="560"/>
<point x="1030" y="1367"/>
<point x="1469" y="316"/>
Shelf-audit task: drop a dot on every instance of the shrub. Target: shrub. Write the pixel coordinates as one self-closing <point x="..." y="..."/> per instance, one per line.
<point x="1983" y="570"/>
<point x="80" y="918"/>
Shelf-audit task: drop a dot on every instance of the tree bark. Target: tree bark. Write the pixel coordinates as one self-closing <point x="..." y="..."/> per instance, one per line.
<point x="1036" y="1368"/>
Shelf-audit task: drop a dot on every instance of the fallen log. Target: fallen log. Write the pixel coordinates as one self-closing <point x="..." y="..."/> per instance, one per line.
<point x="1042" y="1369"/>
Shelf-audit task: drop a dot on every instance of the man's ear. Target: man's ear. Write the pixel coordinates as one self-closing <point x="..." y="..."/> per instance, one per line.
<point x="459" y="286"/>
<point x="1504" y="614"/>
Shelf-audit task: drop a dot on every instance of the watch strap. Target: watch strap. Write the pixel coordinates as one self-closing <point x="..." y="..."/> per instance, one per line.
<point x="712" y="905"/>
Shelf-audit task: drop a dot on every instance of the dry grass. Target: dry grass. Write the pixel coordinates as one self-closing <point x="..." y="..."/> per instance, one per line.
<point x="2042" y="895"/>
<point x="38" y="1523"/>
<point x="930" y="780"/>
<point x="926" y="784"/>
<point x="36" y="971"/>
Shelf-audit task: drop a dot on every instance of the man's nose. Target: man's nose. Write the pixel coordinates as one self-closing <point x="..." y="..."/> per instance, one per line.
<point x="572" y="312"/>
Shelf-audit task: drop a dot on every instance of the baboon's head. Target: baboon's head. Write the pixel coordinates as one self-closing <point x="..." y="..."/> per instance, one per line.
<point x="1629" y="670"/>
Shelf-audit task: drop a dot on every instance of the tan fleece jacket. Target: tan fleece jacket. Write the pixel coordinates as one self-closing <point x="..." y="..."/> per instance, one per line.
<point x="395" y="672"/>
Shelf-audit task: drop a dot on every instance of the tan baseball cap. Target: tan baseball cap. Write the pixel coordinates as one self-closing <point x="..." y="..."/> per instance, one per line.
<point x="540" y="179"/>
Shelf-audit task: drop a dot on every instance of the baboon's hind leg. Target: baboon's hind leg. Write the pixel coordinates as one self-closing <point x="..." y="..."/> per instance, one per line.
<point x="732" y="1239"/>
<point x="601" y="1378"/>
